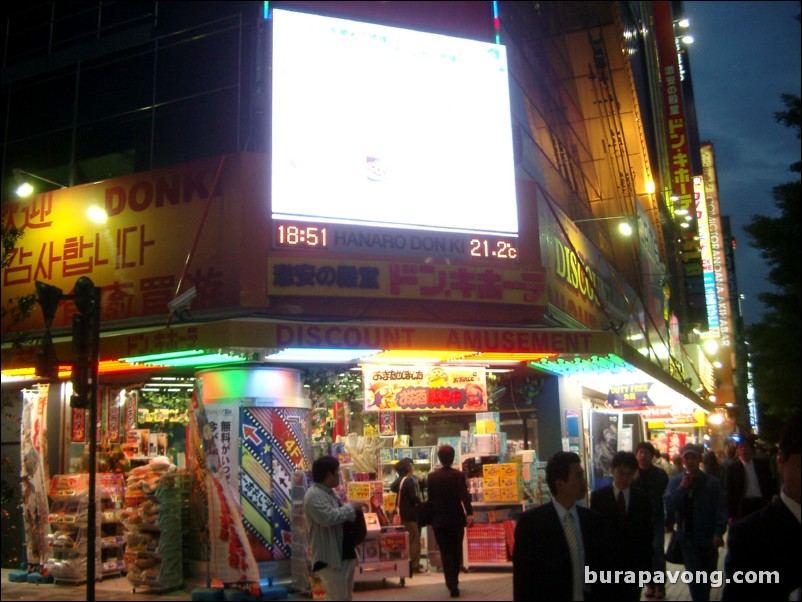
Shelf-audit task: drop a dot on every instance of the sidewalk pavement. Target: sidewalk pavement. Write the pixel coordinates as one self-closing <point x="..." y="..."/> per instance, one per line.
<point x="476" y="584"/>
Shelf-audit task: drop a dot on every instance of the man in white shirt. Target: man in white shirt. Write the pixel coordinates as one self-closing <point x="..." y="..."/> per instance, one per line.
<point x="748" y="481"/>
<point x="768" y="540"/>
<point x="555" y="541"/>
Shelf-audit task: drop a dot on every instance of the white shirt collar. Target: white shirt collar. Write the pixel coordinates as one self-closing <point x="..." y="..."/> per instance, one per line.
<point x="792" y="505"/>
<point x="562" y="510"/>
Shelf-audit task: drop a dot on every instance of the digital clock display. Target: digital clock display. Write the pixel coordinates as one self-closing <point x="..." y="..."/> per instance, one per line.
<point x="302" y="236"/>
<point x="395" y="242"/>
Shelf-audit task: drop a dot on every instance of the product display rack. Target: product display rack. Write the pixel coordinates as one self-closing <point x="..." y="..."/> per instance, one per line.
<point x="383" y="555"/>
<point x="153" y="557"/>
<point x="422" y="457"/>
<point x="489" y="544"/>
<point x="69" y="496"/>
<point x="300" y="568"/>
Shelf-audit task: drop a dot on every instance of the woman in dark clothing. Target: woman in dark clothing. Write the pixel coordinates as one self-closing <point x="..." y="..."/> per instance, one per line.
<point x="711" y="466"/>
<point x="451" y="512"/>
<point x="408" y="500"/>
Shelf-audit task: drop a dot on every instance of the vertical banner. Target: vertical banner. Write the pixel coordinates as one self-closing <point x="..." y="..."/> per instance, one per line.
<point x="274" y="445"/>
<point x="101" y="393"/>
<point x="78" y="424"/>
<point x="605" y="431"/>
<point x="35" y="477"/>
<point x="131" y="403"/>
<point x="572" y="430"/>
<point x="679" y="153"/>
<point x="387" y="423"/>
<point x="113" y="415"/>
<point x="230" y="556"/>
<point x="340" y="412"/>
<point x="223" y="421"/>
<point x="675" y="441"/>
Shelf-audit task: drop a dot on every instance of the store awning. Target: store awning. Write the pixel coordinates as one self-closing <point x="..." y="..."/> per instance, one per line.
<point x="604" y="358"/>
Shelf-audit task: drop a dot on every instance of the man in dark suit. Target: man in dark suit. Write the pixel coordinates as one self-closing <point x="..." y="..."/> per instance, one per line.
<point x="768" y="540"/>
<point x="629" y="516"/>
<point x="653" y="481"/>
<point x="555" y="541"/>
<point x="451" y="512"/>
<point x="748" y="481"/>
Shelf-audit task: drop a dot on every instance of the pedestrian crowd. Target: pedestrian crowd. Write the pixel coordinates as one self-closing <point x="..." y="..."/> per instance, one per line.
<point x="559" y="543"/>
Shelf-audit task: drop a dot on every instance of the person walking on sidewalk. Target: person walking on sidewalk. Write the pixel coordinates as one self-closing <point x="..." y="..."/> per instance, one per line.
<point x="325" y="516"/>
<point x="653" y="481"/>
<point x="451" y="512"/>
<point x="408" y="496"/>
<point x="768" y="540"/>
<point x="750" y="484"/>
<point x="628" y="511"/>
<point x="697" y="502"/>
<point x="556" y="541"/>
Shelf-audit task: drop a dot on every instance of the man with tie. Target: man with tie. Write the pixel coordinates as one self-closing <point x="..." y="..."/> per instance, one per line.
<point x="557" y="540"/>
<point x="629" y="517"/>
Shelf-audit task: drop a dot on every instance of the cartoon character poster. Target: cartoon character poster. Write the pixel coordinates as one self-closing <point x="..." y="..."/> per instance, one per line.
<point x="424" y="388"/>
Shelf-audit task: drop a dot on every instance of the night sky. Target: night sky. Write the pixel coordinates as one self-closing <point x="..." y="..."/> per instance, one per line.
<point x="744" y="56"/>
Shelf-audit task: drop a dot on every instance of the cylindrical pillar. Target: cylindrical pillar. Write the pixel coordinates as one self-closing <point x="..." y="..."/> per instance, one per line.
<point x="261" y="421"/>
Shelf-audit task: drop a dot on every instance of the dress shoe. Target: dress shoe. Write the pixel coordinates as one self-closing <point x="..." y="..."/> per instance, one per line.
<point x="455" y="592"/>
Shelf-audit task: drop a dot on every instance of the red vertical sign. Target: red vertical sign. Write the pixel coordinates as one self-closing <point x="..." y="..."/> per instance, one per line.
<point x="680" y="160"/>
<point x="78" y="425"/>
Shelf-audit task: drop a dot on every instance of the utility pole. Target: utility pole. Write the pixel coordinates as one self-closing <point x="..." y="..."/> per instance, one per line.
<point x="86" y="345"/>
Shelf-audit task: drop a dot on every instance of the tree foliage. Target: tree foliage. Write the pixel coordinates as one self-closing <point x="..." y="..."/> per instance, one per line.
<point x="775" y="348"/>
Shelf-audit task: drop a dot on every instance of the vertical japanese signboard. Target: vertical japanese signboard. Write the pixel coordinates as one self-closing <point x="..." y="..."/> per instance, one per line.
<point x="680" y="163"/>
<point x="718" y="244"/>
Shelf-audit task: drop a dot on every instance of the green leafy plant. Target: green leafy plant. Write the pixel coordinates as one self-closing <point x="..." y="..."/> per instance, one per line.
<point x="327" y="385"/>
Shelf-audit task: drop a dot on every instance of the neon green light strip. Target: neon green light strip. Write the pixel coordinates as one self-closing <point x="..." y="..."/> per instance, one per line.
<point x="161" y="356"/>
<point x="211" y="358"/>
<point x="578" y="365"/>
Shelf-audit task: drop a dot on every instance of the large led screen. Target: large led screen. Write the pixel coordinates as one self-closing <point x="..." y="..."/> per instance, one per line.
<point x="382" y="126"/>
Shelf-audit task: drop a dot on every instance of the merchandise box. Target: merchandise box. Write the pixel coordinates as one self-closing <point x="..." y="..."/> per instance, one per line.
<point x="394" y="546"/>
<point x="491" y="470"/>
<point x="492" y="494"/>
<point x="372" y="522"/>
<point x="371" y="550"/>
<point x="506" y="481"/>
<point x="488" y="482"/>
<point x="509" y="494"/>
<point x="509" y="469"/>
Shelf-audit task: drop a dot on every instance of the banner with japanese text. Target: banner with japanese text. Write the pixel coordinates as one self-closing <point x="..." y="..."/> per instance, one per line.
<point x="423" y="388"/>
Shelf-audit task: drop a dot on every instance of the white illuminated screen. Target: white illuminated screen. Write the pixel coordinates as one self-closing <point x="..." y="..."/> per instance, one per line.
<point x="384" y="126"/>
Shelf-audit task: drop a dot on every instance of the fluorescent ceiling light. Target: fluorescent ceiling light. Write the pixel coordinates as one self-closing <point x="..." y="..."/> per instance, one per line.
<point x="335" y="356"/>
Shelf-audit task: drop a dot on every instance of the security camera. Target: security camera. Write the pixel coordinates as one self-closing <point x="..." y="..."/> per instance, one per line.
<point x="183" y="300"/>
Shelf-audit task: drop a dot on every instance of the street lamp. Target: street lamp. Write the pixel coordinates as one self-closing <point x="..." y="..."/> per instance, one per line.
<point x="24" y="187"/>
<point x="625" y="227"/>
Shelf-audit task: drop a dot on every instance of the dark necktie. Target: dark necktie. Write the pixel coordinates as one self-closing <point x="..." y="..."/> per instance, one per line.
<point x="622" y="507"/>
